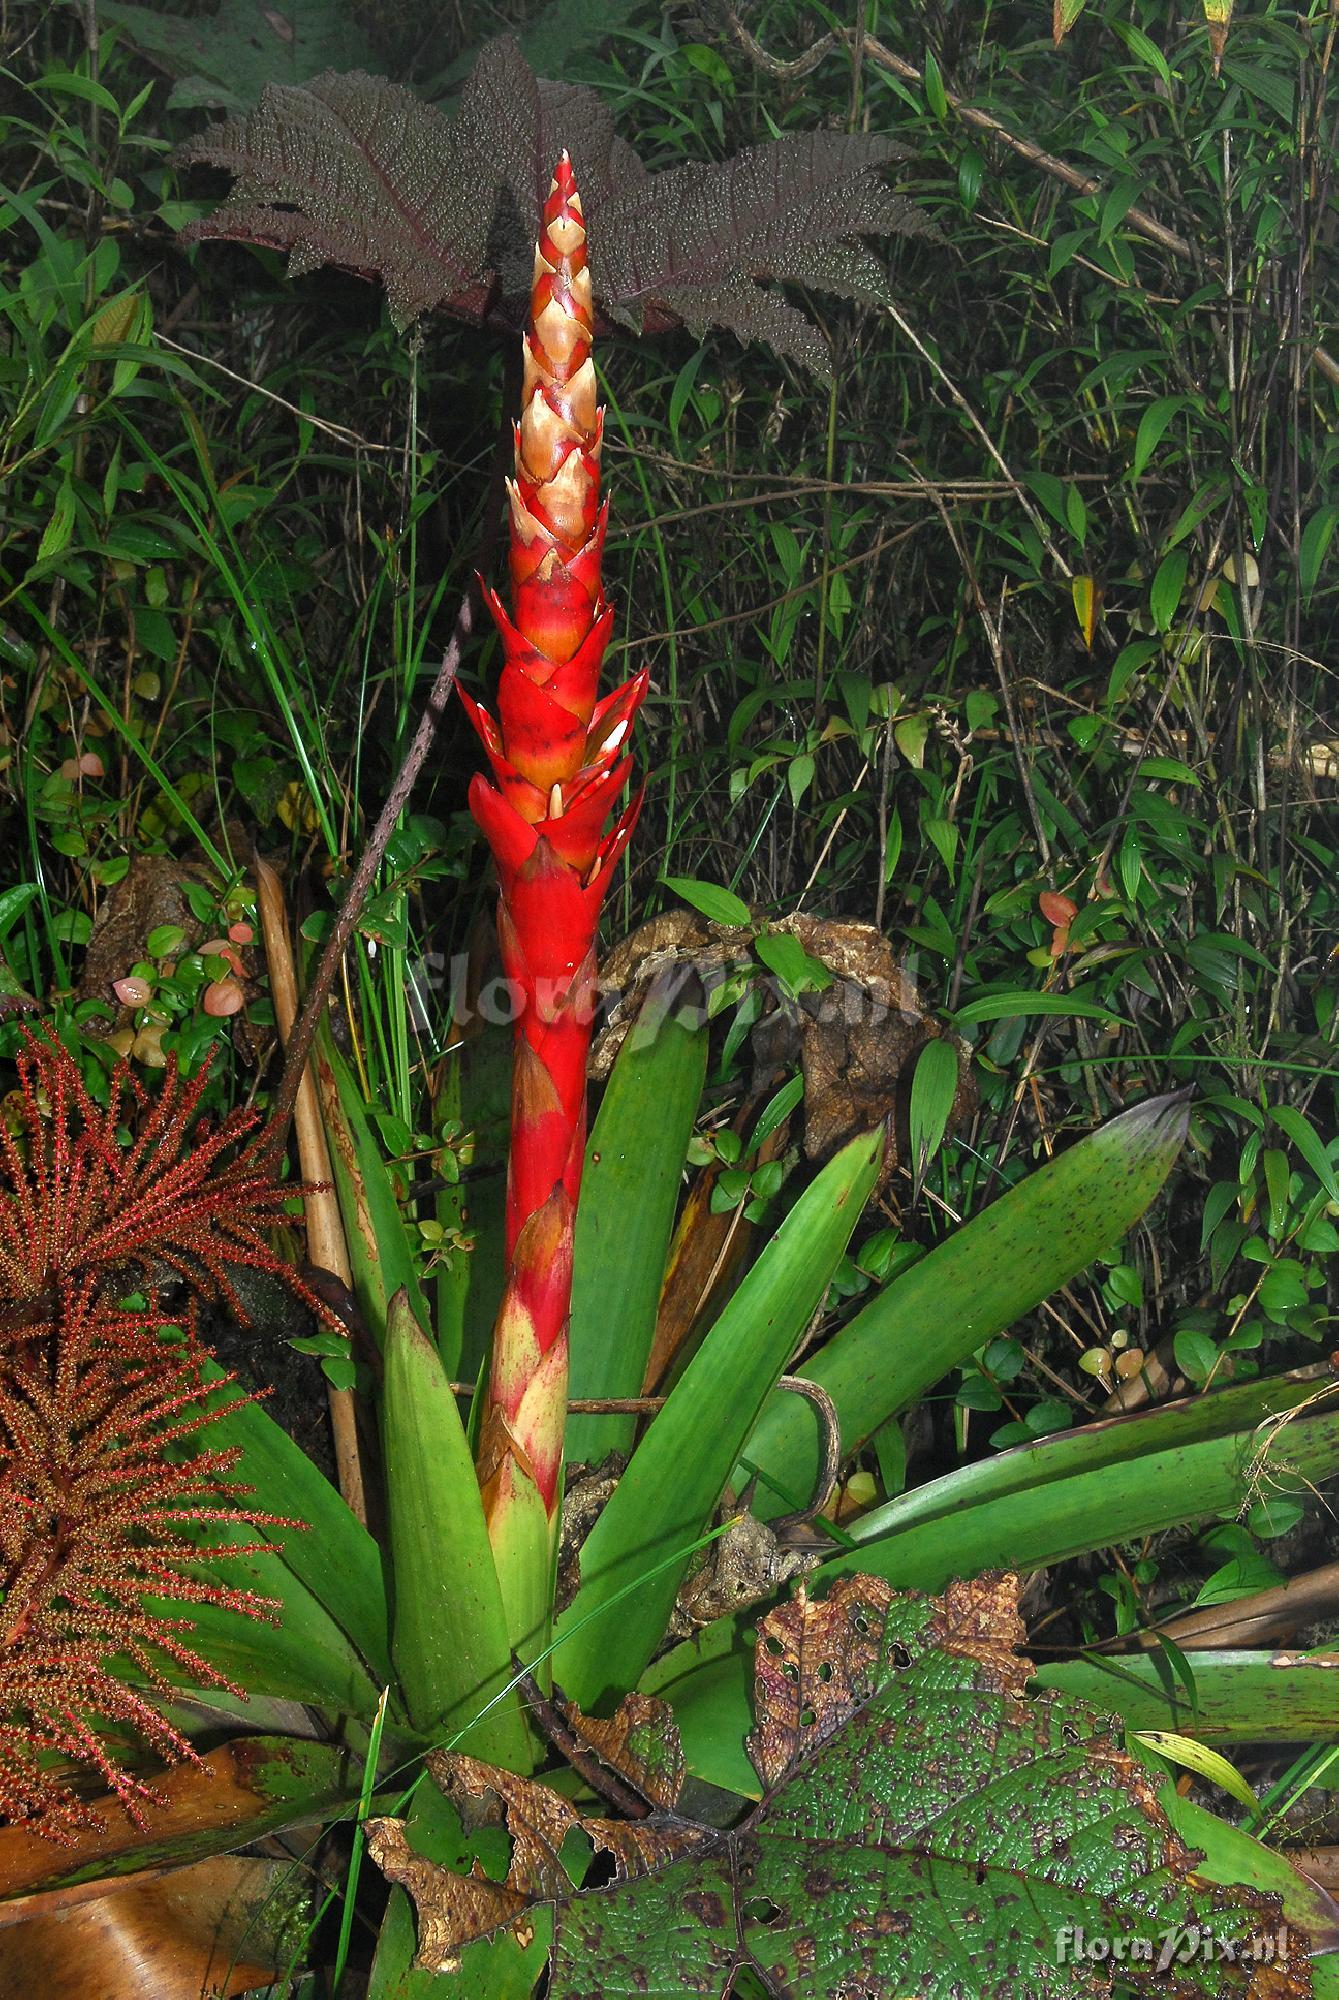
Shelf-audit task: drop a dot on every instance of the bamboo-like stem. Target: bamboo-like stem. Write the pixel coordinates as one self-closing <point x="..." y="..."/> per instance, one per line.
<point x="1188" y="254"/>
<point x="326" y="1244"/>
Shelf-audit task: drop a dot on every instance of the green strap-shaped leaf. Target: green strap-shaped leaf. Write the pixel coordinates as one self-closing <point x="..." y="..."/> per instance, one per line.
<point x="449" y="1634"/>
<point x="678" y="1472"/>
<point x="1030" y="1507"/>
<point x="476" y="1090"/>
<point x="1241" y="1697"/>
<point x="1090" y="1510"/>
<point x="301" y="1656"/>
<point x="633" y="1173"/>
<point x="329" y="1646"/>
<point x="374" y="1227"/>
<point x="978" y="1281"/>
<point x="335" y="1558"/>
<point x="1115" y="1446"/>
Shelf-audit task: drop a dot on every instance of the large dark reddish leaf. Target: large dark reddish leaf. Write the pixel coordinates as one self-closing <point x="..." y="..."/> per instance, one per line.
<point x="927" y="1827"/>
<point x="355" y="171"/>
<point x="694" y="241"/>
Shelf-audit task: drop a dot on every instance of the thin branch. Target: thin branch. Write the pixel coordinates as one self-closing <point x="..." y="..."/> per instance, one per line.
<point x="326" y="1244"/>
<point x="1137" y="218"/>
<point x="829" y="1457"/>
<point x="829" y="1423"/>
<point x="332" y="954"/>
<point x="555" y="1728"/>
<point x="339" y="432"/>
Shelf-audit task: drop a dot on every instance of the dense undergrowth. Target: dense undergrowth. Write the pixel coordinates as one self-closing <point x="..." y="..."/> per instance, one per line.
<point x="1013" y="638"/>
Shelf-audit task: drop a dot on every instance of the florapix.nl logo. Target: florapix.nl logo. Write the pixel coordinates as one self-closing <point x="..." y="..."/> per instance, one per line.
<point x="1177" y="1944"/>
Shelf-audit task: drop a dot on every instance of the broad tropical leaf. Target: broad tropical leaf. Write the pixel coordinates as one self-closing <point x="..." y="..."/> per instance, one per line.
<point x="355" y="171"/>
<point x="1041" y="1504"/>
<point x="926" y="1827"/>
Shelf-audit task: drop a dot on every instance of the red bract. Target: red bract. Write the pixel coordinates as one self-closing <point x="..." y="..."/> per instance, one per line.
<point x="556" y="753"/>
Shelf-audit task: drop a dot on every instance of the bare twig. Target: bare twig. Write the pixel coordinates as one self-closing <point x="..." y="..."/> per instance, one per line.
<point x="829" y="1458"/>
<point x="1020" y="494"/>
<point x="339" y="432"/>
<point x="332" y="954"/>
<point x="326" y="1244"/>
<point x="833" y="831"/>
<point x="830" y="1454"/>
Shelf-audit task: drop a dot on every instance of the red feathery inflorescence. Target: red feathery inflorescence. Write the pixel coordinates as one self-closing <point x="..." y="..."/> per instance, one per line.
<point x="107" y="1502"/>
<point x="181" y="1199"/>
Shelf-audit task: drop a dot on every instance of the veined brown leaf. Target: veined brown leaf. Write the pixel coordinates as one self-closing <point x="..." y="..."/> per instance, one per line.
<point x="354" y="171"/>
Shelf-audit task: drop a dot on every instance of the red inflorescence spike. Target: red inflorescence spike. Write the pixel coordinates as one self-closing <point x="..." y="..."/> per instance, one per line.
<point x="557" y="758"/>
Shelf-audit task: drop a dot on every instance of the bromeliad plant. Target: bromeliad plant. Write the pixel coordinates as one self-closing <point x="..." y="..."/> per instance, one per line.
<point x="406" y="1642"/>
<point x="559" y="766"/>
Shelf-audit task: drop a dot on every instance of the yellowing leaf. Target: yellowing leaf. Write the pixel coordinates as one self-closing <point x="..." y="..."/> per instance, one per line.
<point x="116" y="322"/>
<point x="1087" y="595"/>
<point x="296" y="808"/>
<point x="1197" y="1757"/>
<point x="910" y="735"/>
<point x="1218" y="14"/>
<point x="1064" y="14"/>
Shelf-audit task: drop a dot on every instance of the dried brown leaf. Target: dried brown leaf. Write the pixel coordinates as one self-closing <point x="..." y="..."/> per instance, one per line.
<point x="640" y="1742"/>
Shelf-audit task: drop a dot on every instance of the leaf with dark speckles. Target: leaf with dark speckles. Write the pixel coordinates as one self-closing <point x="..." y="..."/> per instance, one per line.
<point x="928" y="1826"/>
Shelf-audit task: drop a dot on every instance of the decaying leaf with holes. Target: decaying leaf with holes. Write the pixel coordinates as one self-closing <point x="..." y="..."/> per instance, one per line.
<point x="856" y="1040"/>
<point x="926" y="1827"/>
